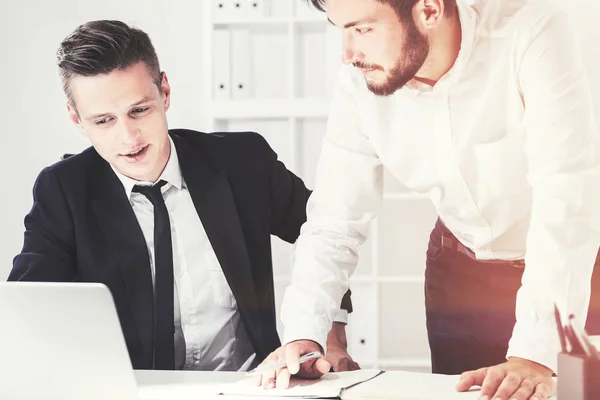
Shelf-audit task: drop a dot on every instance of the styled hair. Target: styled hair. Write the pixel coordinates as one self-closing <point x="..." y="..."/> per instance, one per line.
<point x="100" y="47"/>
<point x="403" y="8"/>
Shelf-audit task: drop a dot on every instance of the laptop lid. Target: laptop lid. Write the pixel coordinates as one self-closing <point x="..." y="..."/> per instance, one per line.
<point x="62" y="341"/>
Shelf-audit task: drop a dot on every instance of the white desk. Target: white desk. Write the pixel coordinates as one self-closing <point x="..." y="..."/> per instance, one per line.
<point x="188" y="385"/>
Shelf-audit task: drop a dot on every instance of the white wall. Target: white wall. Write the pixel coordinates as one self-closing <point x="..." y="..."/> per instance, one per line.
<point x="35" y="128"/>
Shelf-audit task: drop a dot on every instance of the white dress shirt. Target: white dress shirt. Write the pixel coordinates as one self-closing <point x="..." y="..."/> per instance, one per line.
<point x="209" y="334"/>
<point x="506" y="147"/>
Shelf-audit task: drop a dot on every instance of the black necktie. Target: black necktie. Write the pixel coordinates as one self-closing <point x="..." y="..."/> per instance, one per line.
<point x="164" y="352"/>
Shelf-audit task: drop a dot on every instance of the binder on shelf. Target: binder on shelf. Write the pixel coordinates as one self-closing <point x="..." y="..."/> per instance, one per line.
<point x="220" y="9"/>
<point x="280" y="9"/>
<point x="221" y="64"/>
<point x="241" y="64"/>
<point x="304" y="10"/>
<point x="257" y="8"/>
<point x="237" y="9"/>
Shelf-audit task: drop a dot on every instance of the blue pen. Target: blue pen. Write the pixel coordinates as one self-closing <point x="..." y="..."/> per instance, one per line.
<point x="282" y="363"/>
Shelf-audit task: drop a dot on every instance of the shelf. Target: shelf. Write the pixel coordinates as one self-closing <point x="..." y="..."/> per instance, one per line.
<point x="270" y="108"/>
<point x="261" y="21"/>
<point x="265" y="21"/>
<point x="310" y="20"/>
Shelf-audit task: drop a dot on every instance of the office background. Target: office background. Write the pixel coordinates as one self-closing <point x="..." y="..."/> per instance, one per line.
<point x="284" y="98"/>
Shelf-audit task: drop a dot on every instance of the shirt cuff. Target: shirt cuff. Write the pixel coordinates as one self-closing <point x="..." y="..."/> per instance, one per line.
<point x="536" y="341"/>
<point x="341" y="316"/>
<point x="306" y="329"/>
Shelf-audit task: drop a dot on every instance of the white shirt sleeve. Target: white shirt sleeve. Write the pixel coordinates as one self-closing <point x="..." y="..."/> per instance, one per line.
<point x="347" y="196"/>
<point x="341" y="316"/>
<point x="562" y="147"/>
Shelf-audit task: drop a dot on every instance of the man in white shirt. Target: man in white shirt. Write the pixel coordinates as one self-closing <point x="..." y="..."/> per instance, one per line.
<point x="176" y="223"/>
<point x="486" y="108"/>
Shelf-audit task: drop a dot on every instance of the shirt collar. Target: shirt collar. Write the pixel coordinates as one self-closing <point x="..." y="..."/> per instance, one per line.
<point x="171" y="174"/>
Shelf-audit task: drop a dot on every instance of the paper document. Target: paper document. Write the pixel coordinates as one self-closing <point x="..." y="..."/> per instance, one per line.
<point x="403" y="385"/>
<point x="329" y="386"/>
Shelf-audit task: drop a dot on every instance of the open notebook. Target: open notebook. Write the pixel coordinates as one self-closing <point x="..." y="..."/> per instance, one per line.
<point x="330" y="386"/>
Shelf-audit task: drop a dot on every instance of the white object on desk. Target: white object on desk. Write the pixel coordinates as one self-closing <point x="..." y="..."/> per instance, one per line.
<point x="397" y="385"/>
<point x="329" y="386"/>
<point x="62" y="341"/>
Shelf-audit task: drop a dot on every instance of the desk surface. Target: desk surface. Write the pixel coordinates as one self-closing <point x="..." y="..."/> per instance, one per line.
<point x="188" y="385"/>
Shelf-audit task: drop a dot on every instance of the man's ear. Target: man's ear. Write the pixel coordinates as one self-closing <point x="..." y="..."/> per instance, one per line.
<point x="74" y="117"/>
<point x="429" y="13"/>
<point x="165" y="89"/>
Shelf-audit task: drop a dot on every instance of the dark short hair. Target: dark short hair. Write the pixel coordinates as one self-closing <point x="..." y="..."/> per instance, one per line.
<point x="100" y="47"/>
<point x="403" y="8"/>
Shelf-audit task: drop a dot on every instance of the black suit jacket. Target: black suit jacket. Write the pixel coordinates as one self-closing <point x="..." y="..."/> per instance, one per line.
<point x="82" y="228"/>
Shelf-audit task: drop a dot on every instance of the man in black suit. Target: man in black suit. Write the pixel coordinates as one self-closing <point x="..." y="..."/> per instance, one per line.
<point x="176" y="223"/>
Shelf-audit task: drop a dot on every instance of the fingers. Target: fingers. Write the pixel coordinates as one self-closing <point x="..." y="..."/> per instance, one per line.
<point x="280" y="377"/>
<point x="268" y="379"/>
<point x="543" y="391"/>
<point x="292" y="354"/>
<point x="310" y="369"/>
<point x="257" y="379"/>
<point x="491" y="383"/>
<point x="470" y="379"/>
<point x="341" y="365"/>
<point x="344" y="364"/>
<point x="283" y="378"/>
<point x="513" y="386"/>
<point x="261" y="379"/>
<point x="514" y="380"/>
<point x="322" y="366"/>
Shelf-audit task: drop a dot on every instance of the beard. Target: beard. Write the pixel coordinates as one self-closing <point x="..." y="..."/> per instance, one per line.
<point x="414" y="54"/>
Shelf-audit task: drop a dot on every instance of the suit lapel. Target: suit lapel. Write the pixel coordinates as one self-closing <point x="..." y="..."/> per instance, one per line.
<point x="215" y="204"/>
<point x="121" y="229"/>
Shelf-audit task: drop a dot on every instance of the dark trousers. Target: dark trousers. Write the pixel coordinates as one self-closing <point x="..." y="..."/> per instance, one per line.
<point x="470" y="305"/>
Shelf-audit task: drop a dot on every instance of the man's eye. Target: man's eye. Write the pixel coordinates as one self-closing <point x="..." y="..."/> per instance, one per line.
<point x="362" y="31"/>
<point x="103" y="121"/>
<point x="140" y="110"/>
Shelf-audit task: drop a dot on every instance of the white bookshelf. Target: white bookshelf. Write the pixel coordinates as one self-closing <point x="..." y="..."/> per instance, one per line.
<point x="293" y="55"/>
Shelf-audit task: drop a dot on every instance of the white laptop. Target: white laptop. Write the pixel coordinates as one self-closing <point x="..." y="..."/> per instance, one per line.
<point x="62" y="341"/>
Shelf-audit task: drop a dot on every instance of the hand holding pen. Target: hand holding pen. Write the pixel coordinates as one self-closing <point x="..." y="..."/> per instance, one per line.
<point x="281" y="364"/>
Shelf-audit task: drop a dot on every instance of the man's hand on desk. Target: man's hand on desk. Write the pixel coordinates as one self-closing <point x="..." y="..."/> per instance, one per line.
<point x="337" y="349"/>
<point x="291" y="352"/>
<point x="517" y="379"/>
